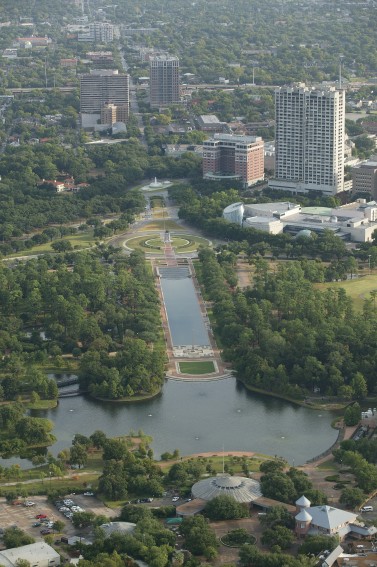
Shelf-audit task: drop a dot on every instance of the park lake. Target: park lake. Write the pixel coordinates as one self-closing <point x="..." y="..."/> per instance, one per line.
<point x="196" y="417"/>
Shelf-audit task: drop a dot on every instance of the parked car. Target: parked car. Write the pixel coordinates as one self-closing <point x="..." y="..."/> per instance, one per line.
<point x="41" y="516"/>
<point x="88" y="493"/>
<point x="46" y="531"/>
<point x="36" y="524"/>
<point x="175" y="498"/>
<point x="29" y="503"/>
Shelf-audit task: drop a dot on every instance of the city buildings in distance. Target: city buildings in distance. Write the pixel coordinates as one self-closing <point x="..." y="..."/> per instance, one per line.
<point x="364" y="177"/>
<point x="97" y="32"/>
<point x="309" y="139"/>
<point x="164" y="80"/>
<point x="227" y="156"/>
<point x="104" y="98"/>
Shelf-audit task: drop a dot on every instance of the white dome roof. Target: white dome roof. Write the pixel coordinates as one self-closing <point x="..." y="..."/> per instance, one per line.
<point x="303" y="501"/>
<point x="303" y="516"/>
<point x="240" y="488"/>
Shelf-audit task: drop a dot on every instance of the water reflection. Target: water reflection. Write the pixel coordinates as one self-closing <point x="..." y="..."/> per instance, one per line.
<point x="197" y="417"/>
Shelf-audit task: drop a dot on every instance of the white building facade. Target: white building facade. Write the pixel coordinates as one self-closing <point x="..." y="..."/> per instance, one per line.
<point x="309" y="139"/>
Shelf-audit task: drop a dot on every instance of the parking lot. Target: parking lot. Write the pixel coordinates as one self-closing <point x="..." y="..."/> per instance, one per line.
<point x="370" y="515"/>
<point x="24" y="517"/>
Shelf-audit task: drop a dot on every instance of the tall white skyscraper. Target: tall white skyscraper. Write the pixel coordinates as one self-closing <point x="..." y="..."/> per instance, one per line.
<point x="309" y="139"/>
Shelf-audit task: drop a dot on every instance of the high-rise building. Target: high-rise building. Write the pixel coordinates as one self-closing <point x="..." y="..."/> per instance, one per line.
<point x="100" y="88"/>
<point x="164" y="80"/>
<point x="309" y="139"/>
<point x="230" y="156"/>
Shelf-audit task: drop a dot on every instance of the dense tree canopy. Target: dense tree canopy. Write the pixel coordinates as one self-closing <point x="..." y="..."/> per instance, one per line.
<point x="224" y="507"/>
<point x="287" y="336"/>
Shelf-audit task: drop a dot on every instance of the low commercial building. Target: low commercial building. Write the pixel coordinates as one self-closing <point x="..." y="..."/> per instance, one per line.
<point x="118" y="528"/>
<point x="38" y="554"/>
<point x="210" y="123"/>
<point x="177" y="150"/>
<point x="111" y="113"/>
<point x="355" y="221"/>
<point x="327" y="520"/>
<point x="33" y="41"/>
<point x="69" y="62"/>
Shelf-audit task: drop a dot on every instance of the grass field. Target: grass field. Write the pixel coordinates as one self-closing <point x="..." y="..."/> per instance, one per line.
<point x="197" y="367"/>
<point x="357" y="289"/>
<point x="78" y="241"/>
<point x="181" y="243"/>
<point x="160" y="225"/>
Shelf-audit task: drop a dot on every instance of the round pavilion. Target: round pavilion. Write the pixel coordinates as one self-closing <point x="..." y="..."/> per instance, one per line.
<point x="240" y="488"/>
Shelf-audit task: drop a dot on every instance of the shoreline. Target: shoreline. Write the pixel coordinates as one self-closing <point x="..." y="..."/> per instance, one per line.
<point x="131" y="400"/>
<point x="328" y="407"/>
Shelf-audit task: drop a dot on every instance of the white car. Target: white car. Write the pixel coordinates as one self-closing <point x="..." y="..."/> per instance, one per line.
<point x="29" y="503"/>
<point x="88" y="493"/>
<point x="175" y="498"/>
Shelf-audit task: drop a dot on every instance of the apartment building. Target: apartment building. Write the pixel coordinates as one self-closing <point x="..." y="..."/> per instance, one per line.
<point x="101" y="32"/>
<point x="309" y="139"/>
<point x="227" y="156"/>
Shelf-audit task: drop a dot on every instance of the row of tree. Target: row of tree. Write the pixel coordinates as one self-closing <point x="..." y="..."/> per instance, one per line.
<point x="287" y="336"/>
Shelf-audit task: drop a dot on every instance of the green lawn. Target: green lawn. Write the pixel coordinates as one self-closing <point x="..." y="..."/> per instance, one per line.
<point x="197" y="367"/>
<point x="357" y="289"/>
<point x="80" y="240"/>
<point x="160" y="224"/>
<point x="182" y="243"/>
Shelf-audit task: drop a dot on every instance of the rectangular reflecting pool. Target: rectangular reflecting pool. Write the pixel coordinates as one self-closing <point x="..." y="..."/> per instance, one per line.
<point x="185" y="318"/>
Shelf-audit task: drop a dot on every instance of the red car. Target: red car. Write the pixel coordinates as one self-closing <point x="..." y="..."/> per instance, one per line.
<point x="41" y="516"/>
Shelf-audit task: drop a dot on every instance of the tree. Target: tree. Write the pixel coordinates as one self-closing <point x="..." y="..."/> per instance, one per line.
<point x="279" y="535"/>
<point x="78" y="455"/>
<point x="359" y="386"/>
<point x="62" y="246"/>
<point x="14" y="537"/>
<point x="98" y="438"/>
<point x="277" y="516"/>
<point x="199" y="536"/>
<point x="83" y="519"/>
<point x="279" y="487"/>
<point x="315" y="544"/>
<point x="352" y="414"/>
<point x="271" y="466"/>
<point x="158" y="556"/>
<point x="225" y="507"/>
<point x="114" y="449"/>
<point x="58" y="526"/>
<point x="134" y="514"/>
<point x="351" y="497"/>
